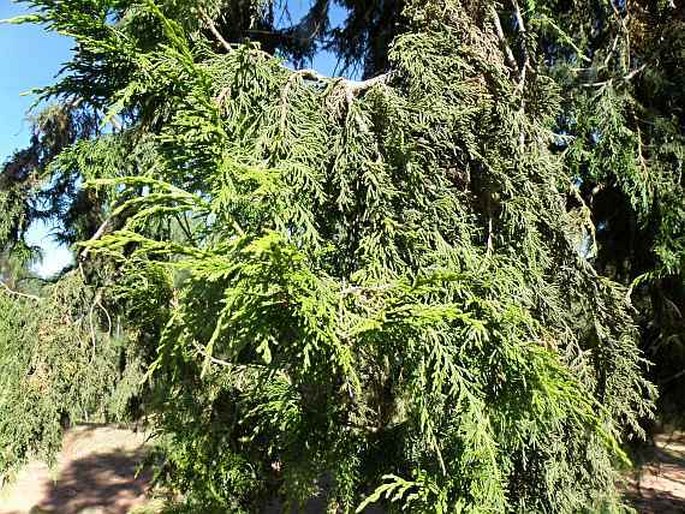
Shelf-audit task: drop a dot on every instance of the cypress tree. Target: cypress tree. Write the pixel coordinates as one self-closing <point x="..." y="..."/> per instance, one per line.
<point x="394" y="290"/>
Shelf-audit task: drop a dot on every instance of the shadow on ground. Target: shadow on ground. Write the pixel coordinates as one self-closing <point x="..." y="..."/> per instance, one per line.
<point x="96" y="472"/>
<point x="661" y="503"/>
<point x="658" y="485"/>
<point x="105" y="482"/>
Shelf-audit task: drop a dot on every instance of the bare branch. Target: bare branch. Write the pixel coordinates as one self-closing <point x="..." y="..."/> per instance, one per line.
<point x="98" y="234"/>
<point x="212" y="27"/>
<point x="17" y="293"/>
<point x="356" y="87"/>
<point x="518" y="16"/>
<point x="508" y="54"/>
<point x="524" y="49"/>
<point x="524" y="67"/>
<point x="626" y="78"/>
<point x="624" y="29"/>
<point x="353" y="87"/>
<point x="611" y="52"/>
<point x="672" y="378"/>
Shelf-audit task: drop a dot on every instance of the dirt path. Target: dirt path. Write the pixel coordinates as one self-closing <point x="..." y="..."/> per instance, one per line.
<point x="95" y="473"/>
<point x="658" y="487"/>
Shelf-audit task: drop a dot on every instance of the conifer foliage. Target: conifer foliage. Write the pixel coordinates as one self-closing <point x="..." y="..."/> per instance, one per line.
<point x="364" y="292"/>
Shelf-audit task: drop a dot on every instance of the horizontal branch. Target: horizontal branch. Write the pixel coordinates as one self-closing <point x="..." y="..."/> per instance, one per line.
<point x="626" y="78"/>
<point x="352" y="87"/>
<point x="17" y="293"/>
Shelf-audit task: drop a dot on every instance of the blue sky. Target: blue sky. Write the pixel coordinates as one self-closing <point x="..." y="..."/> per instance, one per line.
<point x="29" y="57"/>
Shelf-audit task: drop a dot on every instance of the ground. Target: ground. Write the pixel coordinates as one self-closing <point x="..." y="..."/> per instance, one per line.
<point x="98" y="472"/>
<point x="658" y="486"/>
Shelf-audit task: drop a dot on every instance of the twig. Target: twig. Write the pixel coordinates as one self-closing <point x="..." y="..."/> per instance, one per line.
<point x="116" y="123"/>
<point x="630" y="75"/>
<point x="611" y="52"/>
<point x="221" y="362"/>
<point x="624" y="27"/>
<point x="672" y="378"/>
<point x="98" y="234"/>
<point x="567" y="39"/>
<point x="109" y="318"/>
<point x="490" y="245"/>
<point x="92" y="332"/>
<point x="524" y="49"/>
<point x="643" y="161"/>
<point x="96" y="301"/>
<point x="508" y="54"/>
<point x="212" y="27"/>
<point x="626" y="78"/>
<point x="17" y="293"/>
<point x="524" y="68"/>
<point x="362" y="289"/>
<point x="587" y="212"/>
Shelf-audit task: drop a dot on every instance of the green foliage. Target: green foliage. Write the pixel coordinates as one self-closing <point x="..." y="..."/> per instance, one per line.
<point x="57" y="366"/>
<point x="622" y="125"/>
<point x="400" y="291"/>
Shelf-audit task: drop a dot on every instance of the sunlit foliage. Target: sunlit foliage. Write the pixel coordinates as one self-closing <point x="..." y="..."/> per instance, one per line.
<point x="397" y="290"/>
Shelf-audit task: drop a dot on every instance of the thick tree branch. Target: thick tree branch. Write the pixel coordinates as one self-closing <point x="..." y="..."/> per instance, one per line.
<point x="215" y="32"/>
<point x="98" y="234"/>
<point x="352" y="87"/>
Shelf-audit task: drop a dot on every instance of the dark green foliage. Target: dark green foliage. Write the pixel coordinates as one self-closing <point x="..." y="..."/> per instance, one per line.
<point x="622" y="123"/>
<point x="58" y="366"/>
<point x="404" y="290"/>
